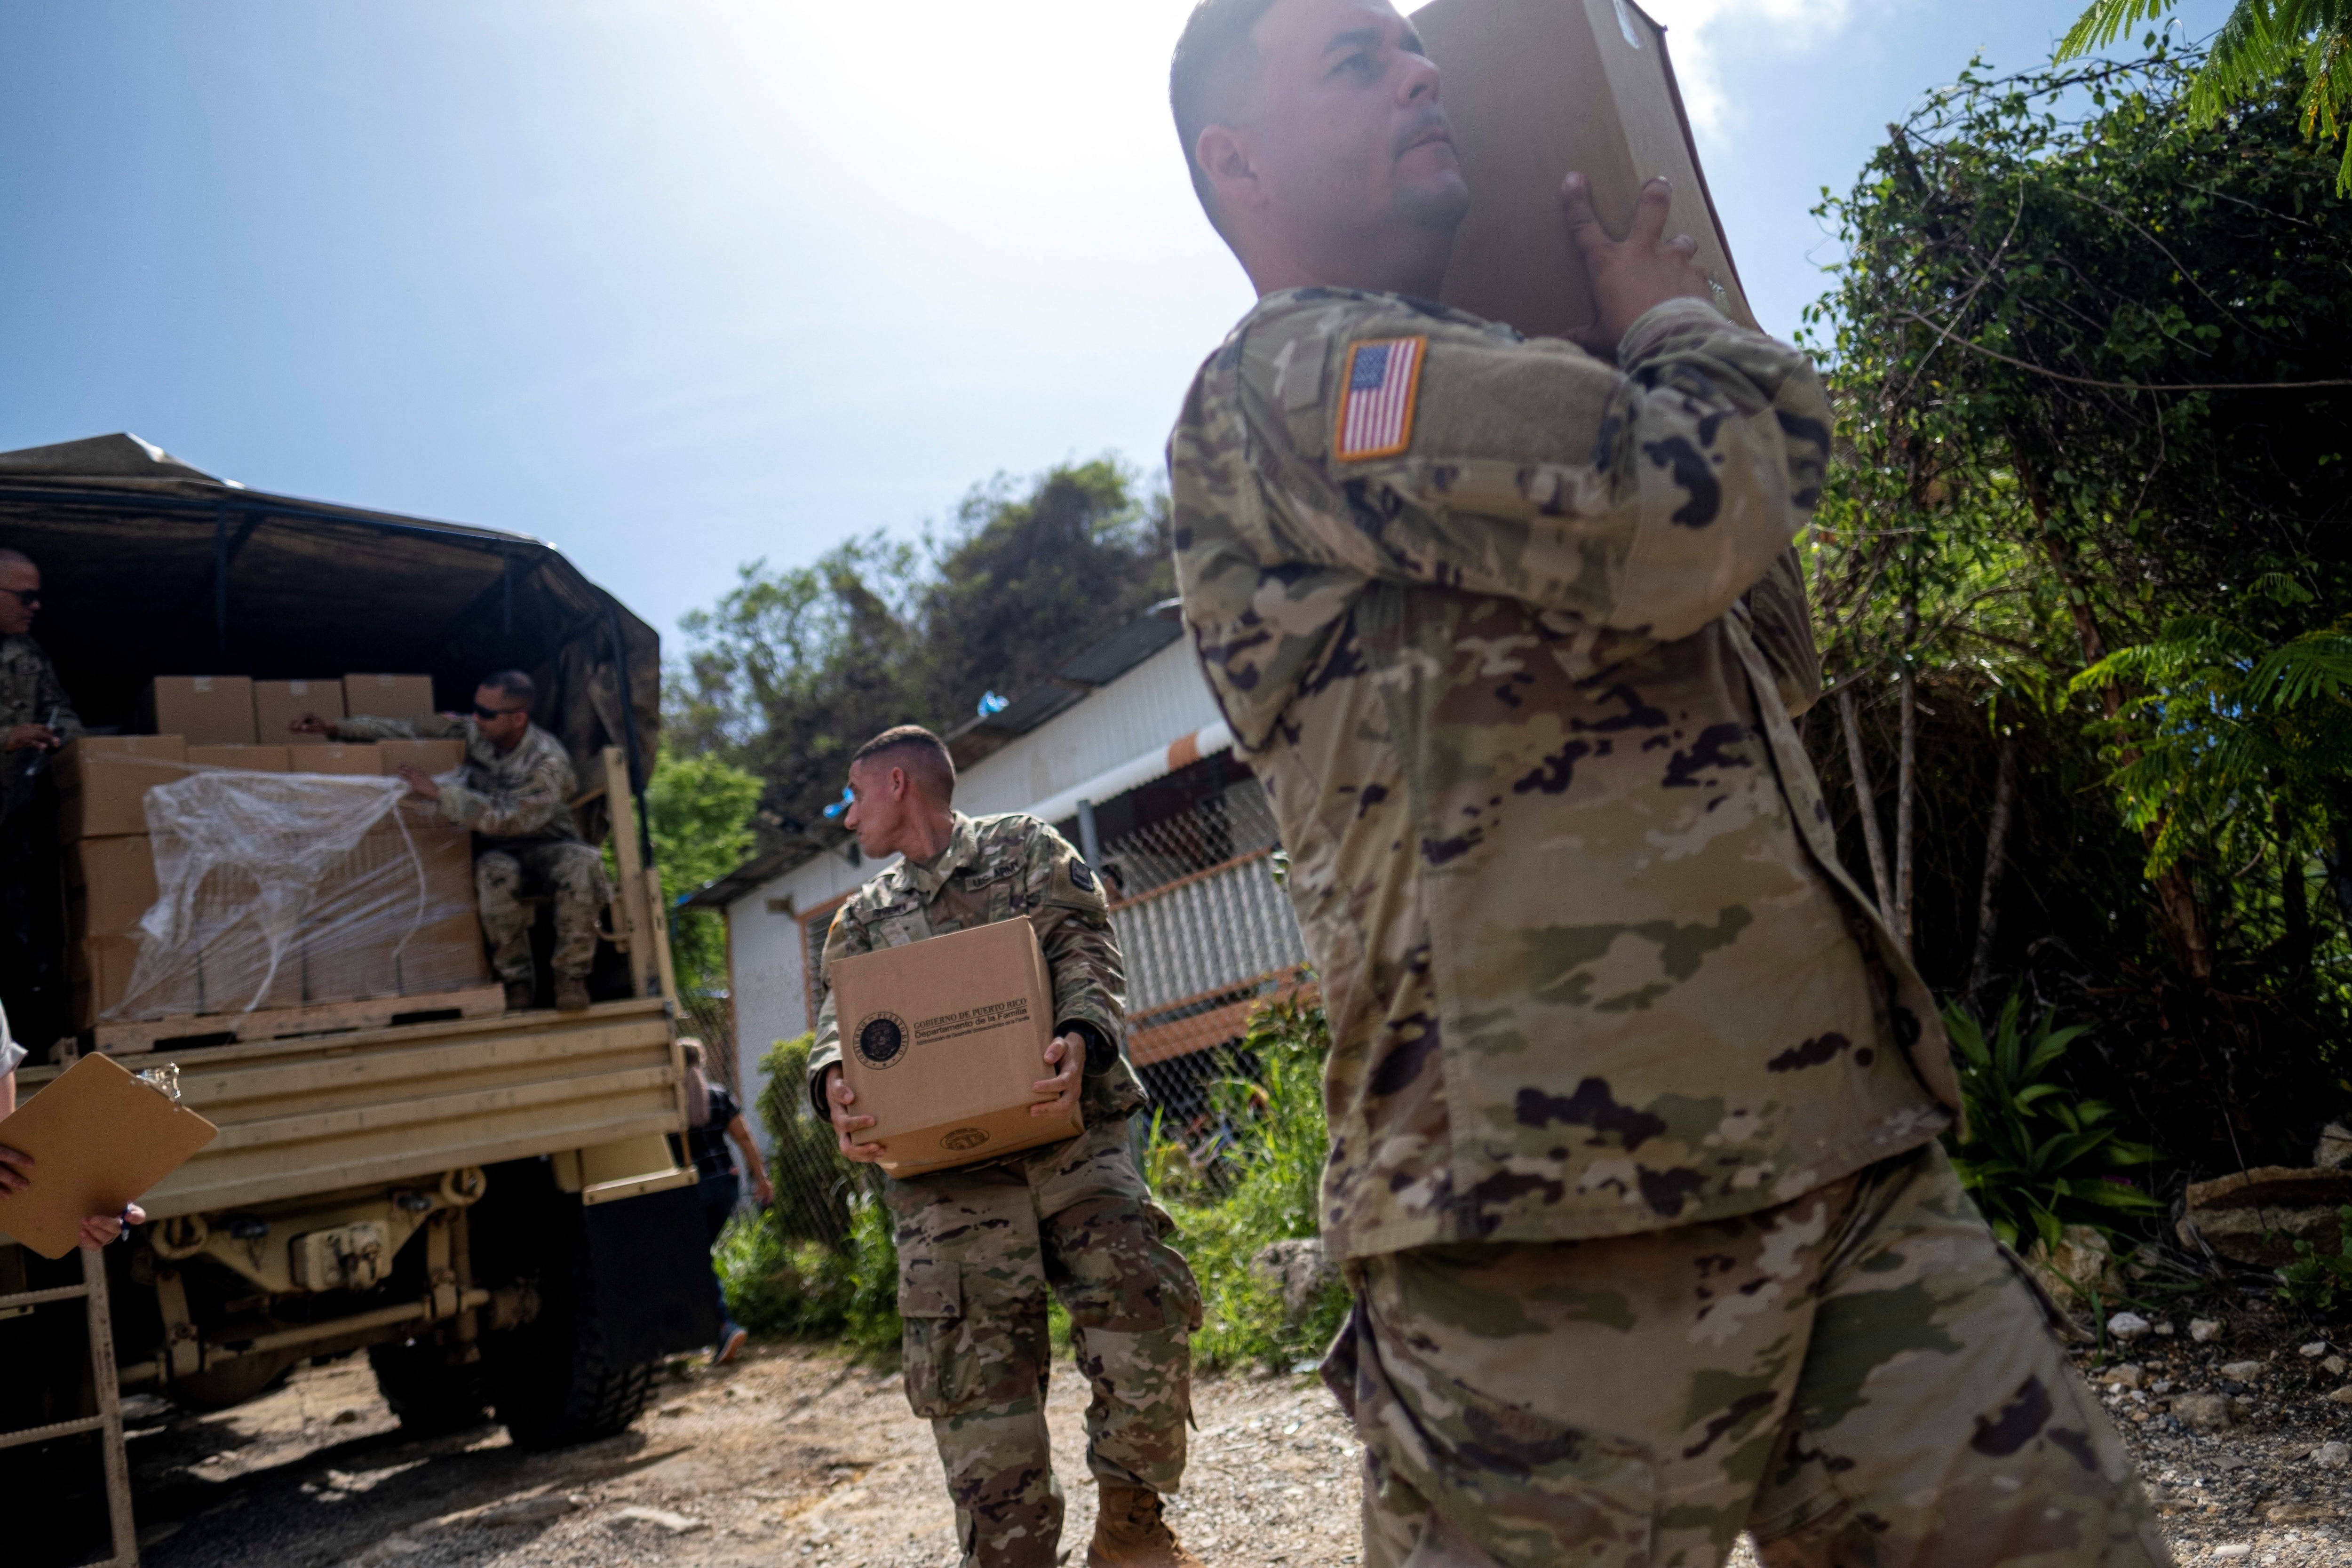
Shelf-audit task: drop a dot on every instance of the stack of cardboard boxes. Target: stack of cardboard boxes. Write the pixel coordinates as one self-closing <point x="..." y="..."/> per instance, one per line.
<point x="395" y="916"/>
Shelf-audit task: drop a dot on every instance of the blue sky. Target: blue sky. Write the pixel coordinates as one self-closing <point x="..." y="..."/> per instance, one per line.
<point x="679" y="284"/>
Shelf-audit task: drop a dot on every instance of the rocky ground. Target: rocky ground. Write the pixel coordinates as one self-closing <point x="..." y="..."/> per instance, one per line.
<point x="804" y="1454"/>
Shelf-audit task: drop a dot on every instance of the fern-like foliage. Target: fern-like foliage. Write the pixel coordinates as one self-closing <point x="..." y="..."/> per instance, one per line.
<point x="2260" y="42"/>
<point x="2214" y="713"/>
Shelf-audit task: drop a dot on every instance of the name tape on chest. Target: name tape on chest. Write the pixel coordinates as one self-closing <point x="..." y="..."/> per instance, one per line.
<point x="1376" y="403"/>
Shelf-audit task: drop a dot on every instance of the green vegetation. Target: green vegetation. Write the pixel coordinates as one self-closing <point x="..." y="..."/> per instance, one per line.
<point x="2261" y="43"/>
<point x="795" y="669"/>
<point x="2316" y="1280"/>
<point x="2081" y="552"/>
<point x="699" y="809"/>
<point x="2037" y="1158"/>
<point x="1262" y="1191"/>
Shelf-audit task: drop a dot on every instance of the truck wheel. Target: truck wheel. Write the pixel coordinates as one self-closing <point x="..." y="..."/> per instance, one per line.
<point x="554" y="1388"/>
<point x="429" y="1396"/>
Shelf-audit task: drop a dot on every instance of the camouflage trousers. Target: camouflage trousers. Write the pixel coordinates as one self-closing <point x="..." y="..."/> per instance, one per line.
<point x="570" y="873"/>
<point x="978" y="1250"/>
<point x="1858" y="1377"/>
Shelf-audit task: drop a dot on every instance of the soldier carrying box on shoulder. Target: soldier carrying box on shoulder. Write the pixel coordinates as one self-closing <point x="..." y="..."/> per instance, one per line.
<point x="516" y="797"/>
<point x="1633" y="1101"/>
<point x="979" y="1245"/>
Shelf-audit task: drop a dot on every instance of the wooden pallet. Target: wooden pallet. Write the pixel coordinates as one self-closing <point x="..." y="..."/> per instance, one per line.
<point x="283" y="1023"/>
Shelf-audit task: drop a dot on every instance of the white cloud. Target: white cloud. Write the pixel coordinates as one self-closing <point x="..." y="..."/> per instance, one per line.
<point x="1698" y="31"/>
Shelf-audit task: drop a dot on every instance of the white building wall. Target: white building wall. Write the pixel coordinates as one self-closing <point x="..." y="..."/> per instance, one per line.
<point x="1159" y="702"/>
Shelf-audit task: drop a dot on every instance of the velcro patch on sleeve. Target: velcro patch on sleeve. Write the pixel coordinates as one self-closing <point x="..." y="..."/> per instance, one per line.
<point x="1376" y="401"/>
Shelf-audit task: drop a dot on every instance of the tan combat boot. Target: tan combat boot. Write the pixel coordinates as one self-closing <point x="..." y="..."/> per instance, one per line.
<point x="571" y="993"/>
<point x="520" y="995"/>
<point x="1130" y="1533"/>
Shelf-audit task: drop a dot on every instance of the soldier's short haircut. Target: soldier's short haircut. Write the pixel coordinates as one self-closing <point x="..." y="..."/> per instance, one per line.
<point x="14" y="558"/>
<point x="922" y="754"/>
<point x="1214" y="57"/>
<point x="514" y="683"/>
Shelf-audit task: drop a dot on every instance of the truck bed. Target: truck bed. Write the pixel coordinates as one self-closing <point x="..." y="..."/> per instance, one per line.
<point x="306" y="1116"/>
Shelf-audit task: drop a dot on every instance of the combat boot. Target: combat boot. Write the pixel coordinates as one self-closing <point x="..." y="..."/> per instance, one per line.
<point x="571" y="993"/>
<point x="520" y="995"/>
<point x="1130" y="1533"/>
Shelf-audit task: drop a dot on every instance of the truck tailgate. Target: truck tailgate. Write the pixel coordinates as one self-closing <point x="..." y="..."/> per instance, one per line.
<point x="384" y="1105"/>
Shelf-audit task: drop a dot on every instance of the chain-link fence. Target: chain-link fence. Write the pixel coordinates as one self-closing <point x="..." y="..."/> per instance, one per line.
<point x="1208" y="935"/>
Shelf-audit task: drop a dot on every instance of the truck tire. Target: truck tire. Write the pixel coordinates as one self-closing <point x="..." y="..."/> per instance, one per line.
<point x="551" y="1380"/>
<point x="428" y="1396"/>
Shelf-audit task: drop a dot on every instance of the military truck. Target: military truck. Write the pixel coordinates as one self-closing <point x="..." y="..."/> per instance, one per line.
<point x="484" y="1202"/>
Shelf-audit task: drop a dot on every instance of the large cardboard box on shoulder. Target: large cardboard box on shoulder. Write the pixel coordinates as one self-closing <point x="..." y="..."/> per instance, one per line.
<point x="941" y="1040"/>
<point x="1536" y="89"/>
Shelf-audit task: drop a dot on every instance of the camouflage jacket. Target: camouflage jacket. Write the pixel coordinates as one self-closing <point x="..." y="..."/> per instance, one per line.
<point x="1558" y="853"/>
<point x="30" y="693"/>
<point x="518" y="796"/>
<point x="994" y="868"/>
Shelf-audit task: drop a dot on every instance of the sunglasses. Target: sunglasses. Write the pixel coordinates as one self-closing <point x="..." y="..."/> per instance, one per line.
<point x="28" y="598"/>
<point x="480" y="712"/>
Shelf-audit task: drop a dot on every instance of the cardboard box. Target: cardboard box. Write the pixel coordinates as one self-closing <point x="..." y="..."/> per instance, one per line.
<point x="941" y="1040"/>
<point x="278" y="703"/>
<point x="101" y="971"/>
<point x="433" y="756"/>
<point x="202" y="710"/>
<point x="242" y="758"/>
<point x="388" y="696"/>
<point x="396" y="917"/>
<point x="110" y="884"/>
<point x="103" y="780"/>
<point x="340" y="757"/>
<point x="1534" y="89"/>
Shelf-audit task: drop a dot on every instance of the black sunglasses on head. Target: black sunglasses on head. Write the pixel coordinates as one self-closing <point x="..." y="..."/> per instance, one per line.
<point x="482" y="712"/>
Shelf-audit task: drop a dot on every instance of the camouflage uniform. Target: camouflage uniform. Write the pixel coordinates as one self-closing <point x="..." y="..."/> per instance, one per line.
<point x="32" y="932"/>
<point x="1516" y="671"/>
<point x="979" y="1246"/>
<point x="518" y="806"/>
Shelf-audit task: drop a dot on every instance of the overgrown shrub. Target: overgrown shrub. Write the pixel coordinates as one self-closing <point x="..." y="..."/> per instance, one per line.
<point x="1274" y="1167"/>
<point x="2038" y="1158"/>
<point x="820" y="1262"/>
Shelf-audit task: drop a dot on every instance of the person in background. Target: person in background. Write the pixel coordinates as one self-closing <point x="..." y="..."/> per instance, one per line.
<point x="36" y="717"/>
<point x="16" y="1166"/>
<point x="719" y="1119"/>
<point x="516" y="796"/>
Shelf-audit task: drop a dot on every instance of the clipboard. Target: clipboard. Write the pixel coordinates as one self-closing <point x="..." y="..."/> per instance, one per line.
<point x="99" y="1139"/>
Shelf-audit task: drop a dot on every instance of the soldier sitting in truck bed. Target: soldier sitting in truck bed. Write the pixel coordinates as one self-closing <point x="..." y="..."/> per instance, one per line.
<point x="516" y="797"/>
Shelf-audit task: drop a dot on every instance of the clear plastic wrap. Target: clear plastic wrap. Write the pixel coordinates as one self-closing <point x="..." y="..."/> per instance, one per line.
<point x="286" y="889"/>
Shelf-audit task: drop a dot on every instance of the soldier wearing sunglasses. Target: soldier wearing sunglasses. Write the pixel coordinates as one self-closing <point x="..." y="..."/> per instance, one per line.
<point x="514" y="792"/>
<point x="36" y="717"/>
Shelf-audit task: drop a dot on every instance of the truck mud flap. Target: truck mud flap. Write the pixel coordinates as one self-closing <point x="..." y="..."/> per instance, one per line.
<point x="651" y="1274"/>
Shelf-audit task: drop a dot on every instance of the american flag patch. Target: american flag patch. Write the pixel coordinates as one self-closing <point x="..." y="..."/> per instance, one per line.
<point x="1376" y="411"/>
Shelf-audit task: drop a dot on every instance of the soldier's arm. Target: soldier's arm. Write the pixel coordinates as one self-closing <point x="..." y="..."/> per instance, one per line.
<point x="1072" y="918"/>
<point x="510" y="811"/>
<point x="54" y="708"/>
<point x="1646" y="499"/>
<point x="363" y="727"/>
<point x="844" y="937"/>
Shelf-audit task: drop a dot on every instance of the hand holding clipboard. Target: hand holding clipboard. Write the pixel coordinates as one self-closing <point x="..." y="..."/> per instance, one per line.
<point x="97" y="1138"/>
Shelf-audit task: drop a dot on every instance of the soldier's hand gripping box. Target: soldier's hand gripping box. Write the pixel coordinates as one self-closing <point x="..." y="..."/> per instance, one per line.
<point x="1538" y="88"/>
<point x="940" y="1040"/>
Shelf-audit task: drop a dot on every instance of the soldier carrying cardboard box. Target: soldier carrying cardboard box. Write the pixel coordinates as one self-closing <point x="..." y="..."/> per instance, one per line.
<point x="515" y="795"/>
<point x="1633" y="1100"/>
<point x="979" y="1244"/>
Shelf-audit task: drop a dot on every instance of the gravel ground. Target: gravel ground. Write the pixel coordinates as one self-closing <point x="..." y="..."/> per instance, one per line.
<point x="804" y="1454"/>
